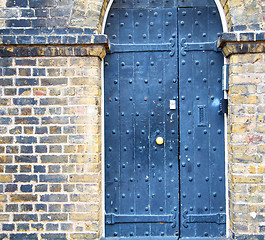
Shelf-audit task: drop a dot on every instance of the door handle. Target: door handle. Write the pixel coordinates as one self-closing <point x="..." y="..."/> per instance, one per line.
<point x="159" y="140"/>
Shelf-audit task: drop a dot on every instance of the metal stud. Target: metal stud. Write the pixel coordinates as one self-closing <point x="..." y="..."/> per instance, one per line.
<point x="162" y="233"/>
<point x="108" y="165"/>
<point x="131" y="234"/>
<point x="132" y="209"/>
<point x="173" y="131"/>
<point x="204" y="34"/>
<point x="189" y="80"/>
<point x="136" y="24"/>
<point x="137" y="113"/>
<point x="182" y="97"/>
<point x="205" y="209"/>
<point x="122" y="113"/>
<point x="116" y="209"/>
<point x="108" y="195"/>
<point x="189" y="131"/>
<point x="139" y="165"/>
<point x="190" y="179"/>
<point x="152" y="113"/>
<point x="123" y="63"/>
<point x="130" y="98"/>
<point x="161" y="209"/>
<point x="174" y="80"/>
<point x="170" y="149"/>
<point x="160" y="179"/>
<point x="199" y="12"/>
<point x="168" y="195"/>
<point x="114" y="36"/>
<point x="207" y="179"/>
<point x="146" y="233"/>
<point x="212" y="62"/>
<point x="127" y="131"/>
<point x="169" y="14"/>
<point x="198" y="148"/>
<point x="205" y="131"/>
<point x="212" y="97"/>
<point x="196" y="23"/>
<point x="115" y="234"/>
<point x="146" y="81"/>
<point x="137" y="64"/>
<point x="126" y="14"/>
<point x="143" y="131"/>
<point x="131" y="179"/>
<point x="191" y="208"/>
<point x="170" y="165"/>
<point x="116" y="180"/>
<point x="130" y="36"/>
<point x="219" y="131"/>
<point x="189" y="112"/>
<point x="221" y="208"/>
<point x="198" y="164"/>
<point x="108" y="24"/>
<point x="183" y="164"/>
<point x="107" y="114"/>
<point x="123" y="165"/>
<point x="110" y="149"/>
<point x="214" y="148"/>
<point x="220" y="179"/>
<point x="159" y="35"/>
<point x="146" y="209"/>
<point x="138" y="195"/>
<point x="115" y="81"/>
<point x="183" y="62"/>
<point x="184" y="13"/>
<point x="184" y="195"/>
<point x="153" y="165"/>
<point x="152" y="63"/>
<point x="214" y="194"/>
<point x="155" y="14"/>
<point x="151" y="24"/>
<point x="197" y="62"/>
<point x="123" y="195"/>
<point x="121" y="24"/>
<point x="144" y="35"/>
<point x="206" y="234"/>
<point x="199" y="195"/>
<point x="182" y="23"/>
<point x="189" y="35"/>
<point x="140" y="14"/>
<point x="125" y="149"/>
<point x="166" y="23"/>
<point x="205" y="80"/>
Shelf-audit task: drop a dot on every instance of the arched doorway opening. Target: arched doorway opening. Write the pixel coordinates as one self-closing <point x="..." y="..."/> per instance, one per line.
<point x="164" y="134"/>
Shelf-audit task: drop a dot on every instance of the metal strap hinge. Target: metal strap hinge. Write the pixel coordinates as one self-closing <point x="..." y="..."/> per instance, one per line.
<point x="155" y="47"/>
<point x="112" y="218"/>
<point x="218" y="218"/>
<point x="202" y="46"/>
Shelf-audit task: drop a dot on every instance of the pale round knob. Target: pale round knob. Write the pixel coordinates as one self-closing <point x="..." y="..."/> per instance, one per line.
<point x="159" y="140"/>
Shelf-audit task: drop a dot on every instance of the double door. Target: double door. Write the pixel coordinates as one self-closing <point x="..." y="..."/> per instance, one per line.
<point x="164" y="139"/>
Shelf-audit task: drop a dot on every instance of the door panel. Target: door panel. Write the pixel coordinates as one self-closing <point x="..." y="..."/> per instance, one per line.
<point x="201" y="126"/>
<point x="142" y="183"/>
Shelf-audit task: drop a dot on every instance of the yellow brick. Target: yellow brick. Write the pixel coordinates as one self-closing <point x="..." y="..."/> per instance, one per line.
<point x="6" y="178"/>
<point x="247" y="179"/>
<point x="261" y="148"/>
<point x="252" y="169"/>
<point x="261" y="169"/>
<point x="238" y="128"/>
<point x="247" y="159"/>
<point x="4" y="217"/>
<point x="83" y="217"/>
<point x="91" y="178"/>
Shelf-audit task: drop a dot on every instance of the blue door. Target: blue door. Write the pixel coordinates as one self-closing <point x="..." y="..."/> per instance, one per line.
<point x="164" y="142"/>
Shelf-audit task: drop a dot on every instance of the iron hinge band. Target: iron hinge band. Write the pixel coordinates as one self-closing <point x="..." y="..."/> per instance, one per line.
<point x="112" y="218"/>
<point x="202" y="46"/>
<point x="156" y="47"/>
<point x="218" y="218"/>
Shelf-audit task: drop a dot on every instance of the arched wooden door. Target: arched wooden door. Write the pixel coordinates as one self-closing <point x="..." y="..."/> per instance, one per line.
<point x="164" y="140"/>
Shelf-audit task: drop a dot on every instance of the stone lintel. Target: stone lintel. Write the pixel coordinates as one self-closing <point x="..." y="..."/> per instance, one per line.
<point x="54" y="45"/>
<point x="241" y="42"/>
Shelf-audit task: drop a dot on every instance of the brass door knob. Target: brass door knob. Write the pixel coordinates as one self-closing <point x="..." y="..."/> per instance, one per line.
<point x="159" y="140"/>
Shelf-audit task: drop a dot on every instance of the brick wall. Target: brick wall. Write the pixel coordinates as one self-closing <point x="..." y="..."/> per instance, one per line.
<point x="246" y="143"/>
<point x="50" y="147"/>
<point x="244" y="15"/>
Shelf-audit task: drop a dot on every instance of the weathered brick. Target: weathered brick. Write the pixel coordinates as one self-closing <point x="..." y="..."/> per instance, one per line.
<point x="24" y="236"/>
<point x="52" y="217"/>
<point x="26" y="159"/>
<point x="54" y="198"/>
<point x="23" y="198"/>
<point x="53" y="178"/>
